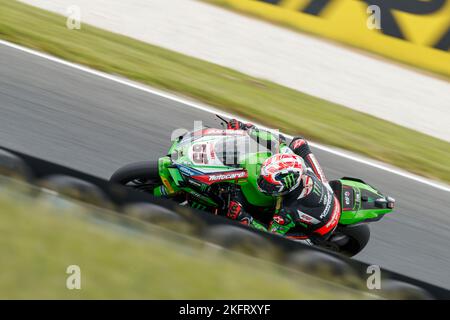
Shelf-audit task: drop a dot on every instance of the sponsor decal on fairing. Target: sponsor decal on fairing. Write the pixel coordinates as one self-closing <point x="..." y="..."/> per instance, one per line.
<point x="216" y="177"/>
<point x="228" y="176"/>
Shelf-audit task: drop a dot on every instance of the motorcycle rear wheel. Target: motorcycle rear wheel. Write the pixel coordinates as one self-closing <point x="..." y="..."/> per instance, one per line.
<point x="349" y="240"/>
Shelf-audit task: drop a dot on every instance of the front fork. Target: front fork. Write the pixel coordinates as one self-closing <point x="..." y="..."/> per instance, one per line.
<point x="160" y="191"/>
<point x="167" y="188"/>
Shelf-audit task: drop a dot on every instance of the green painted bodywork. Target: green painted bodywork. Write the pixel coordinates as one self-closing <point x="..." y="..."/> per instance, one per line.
<point x="359" y="213"/>
<point x="252" y="163"/>
<point x="174" y="182"/>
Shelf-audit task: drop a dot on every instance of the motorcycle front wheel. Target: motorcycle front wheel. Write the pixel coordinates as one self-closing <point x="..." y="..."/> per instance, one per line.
<point x="142" y="176"/>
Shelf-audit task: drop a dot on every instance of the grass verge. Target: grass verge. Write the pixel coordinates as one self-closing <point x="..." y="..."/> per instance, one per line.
<point x="40" y="236"/>
<point x="266" y="102"/>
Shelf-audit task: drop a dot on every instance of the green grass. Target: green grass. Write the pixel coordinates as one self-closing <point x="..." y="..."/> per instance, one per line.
<point x="41" y="236"/>
<point x="266" y="102"/>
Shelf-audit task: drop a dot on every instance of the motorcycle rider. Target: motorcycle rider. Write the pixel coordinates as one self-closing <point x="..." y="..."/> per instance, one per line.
<point x="304" y="196"/>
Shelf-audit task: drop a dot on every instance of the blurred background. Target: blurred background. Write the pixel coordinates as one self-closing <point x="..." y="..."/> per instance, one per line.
<point x="366" y="81"/>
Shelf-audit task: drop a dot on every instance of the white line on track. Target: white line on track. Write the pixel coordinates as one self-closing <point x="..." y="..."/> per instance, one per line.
<point x="209" y="109"/>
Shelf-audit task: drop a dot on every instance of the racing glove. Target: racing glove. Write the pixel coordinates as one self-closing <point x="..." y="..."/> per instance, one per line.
<point x="234" y="124"/>
<point x="236" y="212"/>
<point x="300" y="147"/>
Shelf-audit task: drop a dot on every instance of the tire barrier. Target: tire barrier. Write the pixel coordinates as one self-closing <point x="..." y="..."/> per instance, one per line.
<point x="239" y="239"/>
<point x="75" y="188"/>
<point x="218" y="230"/>
<point x="398" y="290"/>
<point x="324" y="266"/>
<point x="13" y="166"/>
<point x="159" y="215"/>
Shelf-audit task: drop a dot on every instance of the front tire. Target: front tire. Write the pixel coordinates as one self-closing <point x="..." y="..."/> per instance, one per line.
<point x="142" y="176"/>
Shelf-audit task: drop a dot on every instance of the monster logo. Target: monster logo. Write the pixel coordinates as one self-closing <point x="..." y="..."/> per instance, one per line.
<point x="289" y="180"/>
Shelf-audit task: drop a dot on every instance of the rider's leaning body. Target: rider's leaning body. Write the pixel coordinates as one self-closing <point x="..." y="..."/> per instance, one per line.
<point x="304" y="197"/>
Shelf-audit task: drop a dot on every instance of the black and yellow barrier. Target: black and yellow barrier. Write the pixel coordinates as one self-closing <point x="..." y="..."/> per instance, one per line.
<point x="416" y="32"/>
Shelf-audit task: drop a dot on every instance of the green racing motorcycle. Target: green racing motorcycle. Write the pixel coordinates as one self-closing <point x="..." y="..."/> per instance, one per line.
<point x="202" y="168"/>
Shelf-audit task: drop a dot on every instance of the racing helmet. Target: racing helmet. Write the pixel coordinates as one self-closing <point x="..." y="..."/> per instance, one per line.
<point x="280" y="174"/>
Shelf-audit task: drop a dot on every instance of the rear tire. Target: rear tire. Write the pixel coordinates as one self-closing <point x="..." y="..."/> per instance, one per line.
<point x="359" y="236"/>
<point x="354" y="241"/>
<point x="142" y="176"/>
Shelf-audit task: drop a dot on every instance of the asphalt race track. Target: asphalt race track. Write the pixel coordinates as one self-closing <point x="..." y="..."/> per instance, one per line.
<point x="95" y="125"/>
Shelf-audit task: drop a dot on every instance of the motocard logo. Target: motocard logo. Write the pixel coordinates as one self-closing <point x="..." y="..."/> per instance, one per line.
<point x="211" y="178"/>
<point x="229" y="176"/>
